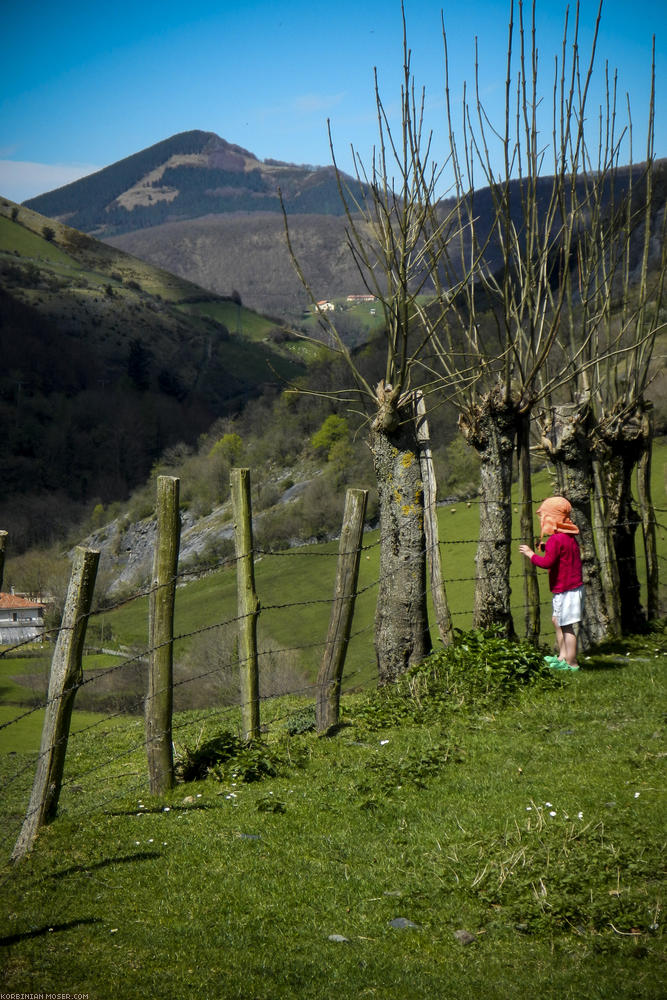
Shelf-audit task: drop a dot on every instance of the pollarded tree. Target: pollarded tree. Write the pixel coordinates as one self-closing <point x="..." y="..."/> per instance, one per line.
<point x="395" y="237"/>
<point x="597" y="428"/>
<point x="507" y="316"/>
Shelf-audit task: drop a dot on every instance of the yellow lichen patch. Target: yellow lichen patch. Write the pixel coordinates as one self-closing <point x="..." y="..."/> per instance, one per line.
<point x="408" y="459"/>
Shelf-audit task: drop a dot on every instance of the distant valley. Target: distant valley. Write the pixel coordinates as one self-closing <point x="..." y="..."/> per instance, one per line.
<point x="210" y="212"/>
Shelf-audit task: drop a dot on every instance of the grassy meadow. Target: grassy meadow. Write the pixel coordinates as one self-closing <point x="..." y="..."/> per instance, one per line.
<point x="461" y="847"/>
<point x="487" y="829"/>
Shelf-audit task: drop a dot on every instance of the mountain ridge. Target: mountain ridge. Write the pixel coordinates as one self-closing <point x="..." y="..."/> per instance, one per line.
<point x="189" y="175"/>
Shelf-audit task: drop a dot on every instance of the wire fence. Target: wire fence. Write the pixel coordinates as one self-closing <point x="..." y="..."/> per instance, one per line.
<point x="17" y="775"/>
<point x="108" y="775"/>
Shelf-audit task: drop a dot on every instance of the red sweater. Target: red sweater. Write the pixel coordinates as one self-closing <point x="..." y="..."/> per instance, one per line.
<point x="562" y="559"/>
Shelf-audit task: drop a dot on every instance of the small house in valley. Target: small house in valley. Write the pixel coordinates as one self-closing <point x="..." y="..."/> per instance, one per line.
<point x="21" y="620"/>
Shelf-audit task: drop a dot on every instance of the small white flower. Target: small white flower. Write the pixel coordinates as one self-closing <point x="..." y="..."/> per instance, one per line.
<point x="164" y="843"/>
<point x="166" y="809"/>
<point x="548" y="805"/>
<point x="150" y="840"/>
<point x="637" y="794"/>
<point x="383" y="742"/>
<point x="198" y="795"/>
<point x="137" y="842"/>
<point x="529" y="808"/>
<point x="552" y="812"/>
<point x="580" y="815"/>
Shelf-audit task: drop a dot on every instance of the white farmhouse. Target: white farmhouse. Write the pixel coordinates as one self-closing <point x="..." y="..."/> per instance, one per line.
<point x="20" y="619"/>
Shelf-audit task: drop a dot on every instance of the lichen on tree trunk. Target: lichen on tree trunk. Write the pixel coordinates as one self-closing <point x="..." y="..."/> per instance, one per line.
<point x="623" y="437"/>
<point x="531" y="590"/>
<point x="567" y="439"/>
<point x="402" y="635"/>
<point x="490" y="426"/>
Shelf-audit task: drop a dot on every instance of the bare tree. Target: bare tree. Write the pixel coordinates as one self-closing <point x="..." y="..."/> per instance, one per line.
<point x="597" y="427"/>
<point x="396" y="237"/>
<point x="508" y="314"/>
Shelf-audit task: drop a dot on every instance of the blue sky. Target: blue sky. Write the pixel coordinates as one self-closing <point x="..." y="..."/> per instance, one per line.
<point x="85" y="83"/>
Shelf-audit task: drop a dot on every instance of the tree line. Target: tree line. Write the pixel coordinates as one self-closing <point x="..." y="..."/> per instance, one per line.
<point x="537" y="324"/>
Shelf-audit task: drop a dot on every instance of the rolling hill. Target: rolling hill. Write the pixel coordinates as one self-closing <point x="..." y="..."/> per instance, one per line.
<point x="106" y="362"/>
<point x="210" y="212"/>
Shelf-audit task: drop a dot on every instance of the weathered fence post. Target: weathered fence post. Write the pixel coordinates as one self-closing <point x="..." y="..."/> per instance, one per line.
<point x="3" y="545"/>
<point x="160" y="697"/>
<point x="438" y="594"/>
<point x="66" y="676"/>
<point x="248" y="603"/>
<point x="345" y="591"/>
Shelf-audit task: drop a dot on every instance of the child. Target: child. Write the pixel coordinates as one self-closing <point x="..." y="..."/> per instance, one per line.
<point x="562" y="559"/>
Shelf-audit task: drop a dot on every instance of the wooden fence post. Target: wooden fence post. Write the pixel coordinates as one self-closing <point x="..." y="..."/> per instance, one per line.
<point x="248" y="603"/>
<point x="438" y="594"/>
<point x="3" y="545"/>
<point x="66" y="676"/>
<point x="160" y="697"/>
<point x="331" y="669"/>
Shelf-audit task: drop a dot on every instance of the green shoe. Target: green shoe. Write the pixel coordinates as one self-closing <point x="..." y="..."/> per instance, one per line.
<point x="564" y="665"/>
<point x="555" y="663"/>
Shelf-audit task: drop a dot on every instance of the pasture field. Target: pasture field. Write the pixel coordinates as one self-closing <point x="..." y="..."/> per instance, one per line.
<point x="488" y="840"/>
<point x="493" y="842"/>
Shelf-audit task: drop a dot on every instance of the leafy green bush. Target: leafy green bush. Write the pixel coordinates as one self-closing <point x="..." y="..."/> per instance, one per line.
<point x="301" y="722"/>
<point x="227" y="756"/>
<point x="479" y="669"/>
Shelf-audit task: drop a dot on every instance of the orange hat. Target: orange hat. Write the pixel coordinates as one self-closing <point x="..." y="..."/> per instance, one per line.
<point x="554" y="514"/>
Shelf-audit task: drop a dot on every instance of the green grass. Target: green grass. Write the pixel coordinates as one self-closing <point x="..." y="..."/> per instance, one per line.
<point x="29" y="244"/>
<point x="440" y="816"/>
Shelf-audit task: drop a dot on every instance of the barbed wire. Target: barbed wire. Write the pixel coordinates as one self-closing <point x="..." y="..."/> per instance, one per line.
<point x="142" y="656"/>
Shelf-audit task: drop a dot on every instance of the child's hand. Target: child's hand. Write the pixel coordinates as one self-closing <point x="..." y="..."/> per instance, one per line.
<point x="526" y="551"/>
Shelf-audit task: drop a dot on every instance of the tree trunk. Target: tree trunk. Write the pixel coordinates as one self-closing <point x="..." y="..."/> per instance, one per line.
<point x="402" y="635"/>
<point x="566" y="436"/>
<point x="531" y="590"/>
<point x="623" y="437"/>
<point x="441" y="612"/>
<point x="490" y="426"/>
<point x="606" y="553"/>
<point x="647" y="514"/>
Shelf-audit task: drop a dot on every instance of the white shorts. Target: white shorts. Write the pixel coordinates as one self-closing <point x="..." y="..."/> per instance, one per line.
<point x="568" y="606"/>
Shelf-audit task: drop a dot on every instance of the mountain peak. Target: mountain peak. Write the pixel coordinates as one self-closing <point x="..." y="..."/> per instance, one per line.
<point x="188" y="176"/>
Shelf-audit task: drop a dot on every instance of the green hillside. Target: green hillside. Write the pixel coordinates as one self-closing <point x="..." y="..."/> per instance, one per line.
<point x="106" y="362"/>
<point x="473" y="845"/>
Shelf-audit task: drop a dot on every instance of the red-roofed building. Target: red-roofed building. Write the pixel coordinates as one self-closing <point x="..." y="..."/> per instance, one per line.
<point x="20" y="619"/>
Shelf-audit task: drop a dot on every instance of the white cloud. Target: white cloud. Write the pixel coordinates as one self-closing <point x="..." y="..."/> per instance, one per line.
<point x="314" y="103"/>
<point x="20" y="180"/>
